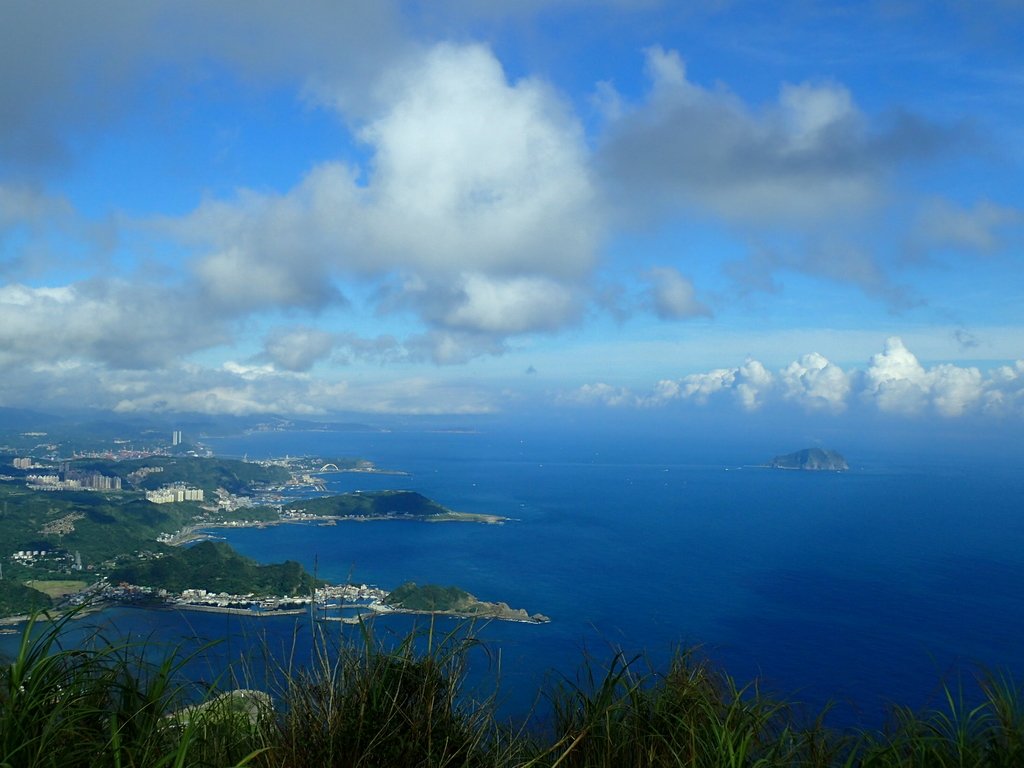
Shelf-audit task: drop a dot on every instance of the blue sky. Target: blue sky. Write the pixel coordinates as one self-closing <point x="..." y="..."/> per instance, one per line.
<point x="461" y="207"/>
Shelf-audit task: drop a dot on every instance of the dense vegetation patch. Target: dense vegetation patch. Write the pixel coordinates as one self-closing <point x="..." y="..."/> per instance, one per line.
<point x="430" y="597"/>
<point x="17" y="599"/>
<point x="371" y="504"/>
<point x="360" y="702"/>
<point x="202" y="472"/>
<point x="105" y="525"/>
<point x="216" y="567"/>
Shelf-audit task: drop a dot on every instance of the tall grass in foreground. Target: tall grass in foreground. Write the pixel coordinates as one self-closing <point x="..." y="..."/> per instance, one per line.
<point x="693" y="715"/>
<point x="361" y="702"/>
<point x="108" y="704"/>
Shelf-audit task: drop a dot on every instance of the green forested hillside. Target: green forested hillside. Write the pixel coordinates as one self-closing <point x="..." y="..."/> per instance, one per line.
<point x="206" y="473"/>
<point x="16" y="598"/>
<point x="104" y="525"/>
<point x="430" y="597"/>
<point x="215" y="567"/>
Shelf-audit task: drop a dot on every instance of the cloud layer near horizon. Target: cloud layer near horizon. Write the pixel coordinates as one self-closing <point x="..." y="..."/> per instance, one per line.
<point x="894" y="382"/>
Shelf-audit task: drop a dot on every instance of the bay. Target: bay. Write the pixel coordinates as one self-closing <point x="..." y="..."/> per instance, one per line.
<point x="858" y="588"/>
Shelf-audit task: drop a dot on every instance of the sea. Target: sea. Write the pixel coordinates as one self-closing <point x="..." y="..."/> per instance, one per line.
<point x="855" y="590"/>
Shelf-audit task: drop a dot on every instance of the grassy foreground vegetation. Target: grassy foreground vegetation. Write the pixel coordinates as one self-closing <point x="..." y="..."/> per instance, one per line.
<point x="363" y="703"/>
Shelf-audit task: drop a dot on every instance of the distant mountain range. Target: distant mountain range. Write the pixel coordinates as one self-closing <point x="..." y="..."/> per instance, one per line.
<point x="812" y="459"/>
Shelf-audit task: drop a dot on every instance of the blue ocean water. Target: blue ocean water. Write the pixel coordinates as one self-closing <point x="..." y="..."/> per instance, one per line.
<point x="859" y="588"/>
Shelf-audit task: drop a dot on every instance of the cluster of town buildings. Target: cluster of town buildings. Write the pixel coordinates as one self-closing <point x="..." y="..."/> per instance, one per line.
<point x="326" y="597"/>
<point x="73" y="481"/>
<point x="66" y="478"/>
<point x="176" y="492"/>
<point x="60" y="557"/>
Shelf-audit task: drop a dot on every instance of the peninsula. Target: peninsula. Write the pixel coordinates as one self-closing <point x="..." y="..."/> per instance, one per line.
<point x="451" y="601"/>
<point x="380" y="505"/>
<point x="100" y="530"/>
<point x="814" y="459"/>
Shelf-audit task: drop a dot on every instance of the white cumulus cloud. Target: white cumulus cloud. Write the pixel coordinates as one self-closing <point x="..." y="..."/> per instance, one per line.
<point x="1006" y="393"/>
<point x="701" y="386"/>
<point x="477" y="198"/>
<point x="599" y="394"/>
<point x="507" y="305"/>
<point x="750" y="383"/>
<point x="473" y="172"/>
<point x="816" y="382"/>
<point x="955" y="389"/>
<point x="895" y="382"/>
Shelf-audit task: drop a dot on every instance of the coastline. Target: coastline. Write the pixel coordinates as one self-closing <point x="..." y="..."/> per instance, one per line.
<point x="175" y="606"/>
<point x="497" y="614"/>
<point x="193" y="533"/>
<point x="204" y="532"/>
<point x="14" y="623"/>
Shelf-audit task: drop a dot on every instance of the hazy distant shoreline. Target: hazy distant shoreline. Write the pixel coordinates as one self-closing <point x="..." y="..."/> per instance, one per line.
<point x="194" y="533"/>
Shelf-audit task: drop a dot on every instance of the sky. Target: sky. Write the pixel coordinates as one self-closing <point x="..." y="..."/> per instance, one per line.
<point x="468" y="207"/>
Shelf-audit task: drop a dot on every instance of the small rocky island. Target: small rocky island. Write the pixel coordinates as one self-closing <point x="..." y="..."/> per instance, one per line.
<point x="815" y="459"/>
